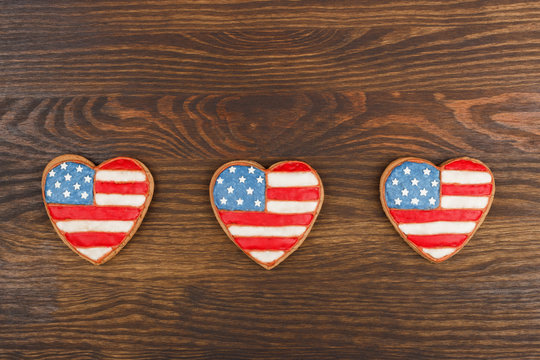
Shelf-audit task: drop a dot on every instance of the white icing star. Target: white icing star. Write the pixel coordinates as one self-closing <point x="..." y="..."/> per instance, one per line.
<point x="57" y="184"/>
<point x="414" y="182"/>
<point x="407" y="171"/>
<point x="260" y="179"/>
<point x="251" y="170"/>
<point x="223" y="200"/>
<point x="434" y="183"/>
<point x="232" y="169"/>
<point x="249" y="190"/>
<point x="84" y="194"/>
<point x="49" y="193"/>
<point x="79" y="168"/>
<point x="395" y="181"/>
<point x="240" y="201"/>
<point x="63" y="166"/>
<point x="405" y="192"/>
<point x="258" y="203"/>
<point x="87" y="179"/>
<point x="52" y="173"/>
<point x="398" y="201"/>
<point x="67" y="177"/>
<point x="220" y="181"/>
<point x="431" y="201"/>
<point x="414" y="201"/>
<point x="230" y="189"/>
<point x="242" y="179"/>
<point x="77" y="186"/>
<point x="66" y="193"/>
<point x="423" y="192"/>
<point x="427" y="171"/>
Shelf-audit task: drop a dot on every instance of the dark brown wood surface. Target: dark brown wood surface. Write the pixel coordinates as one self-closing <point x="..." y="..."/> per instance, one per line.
<point x="346" y="86"/>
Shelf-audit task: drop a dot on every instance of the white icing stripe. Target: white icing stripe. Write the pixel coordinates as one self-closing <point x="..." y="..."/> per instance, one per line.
<point x="438" y="227"/>
<point x="438" y="253"/>
<point x="465" y="177"/>
<point x="74" y="226"/>
<point x="95" y="253"/>
<point x="291" y="207"/>
<point x="120" y="200"/>
<point x="120" y="176"/>
<point x="292" y="179"/>
<point x="267" y="256"/>
<point x="464" y="202"/>
<point x="278" y="231"/>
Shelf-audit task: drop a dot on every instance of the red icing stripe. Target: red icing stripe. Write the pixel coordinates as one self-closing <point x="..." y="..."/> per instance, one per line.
<point x="265" y="243"/>
<point x="292" y="166"/>
<point x="89" y="212"/>
<point x="433" y="241"/>
<point x="468" y="190"/>
<point x="465" y="165"/>
<point x="121" y="164"/>
<point x="93" y="239"/>
<point x="263" y="219"/>
<point x="110" y="187"/>
<point x="421" y="216"/>
<point x="293" y="193"/>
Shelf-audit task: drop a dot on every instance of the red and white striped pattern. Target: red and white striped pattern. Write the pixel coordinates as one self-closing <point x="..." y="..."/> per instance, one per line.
<point x="121" y="188"/>
<point x="466" y="191"/>
<point x="293" y="199"/>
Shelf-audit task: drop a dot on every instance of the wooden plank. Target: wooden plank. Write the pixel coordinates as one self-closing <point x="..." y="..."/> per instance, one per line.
<point x="225" y="15"/>
<point x="169" y="47"/>
<point x="181" y="289"/>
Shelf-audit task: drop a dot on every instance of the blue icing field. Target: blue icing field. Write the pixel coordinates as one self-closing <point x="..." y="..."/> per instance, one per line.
<point x="413" y="185"/>
<point x="70" y="183"/>
<point x="240" y="187"/>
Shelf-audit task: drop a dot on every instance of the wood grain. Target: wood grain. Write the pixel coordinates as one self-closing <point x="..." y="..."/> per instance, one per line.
<point x="164" y="47"/>
<point x="180" y="289"/>
<point x="347" y="86"/>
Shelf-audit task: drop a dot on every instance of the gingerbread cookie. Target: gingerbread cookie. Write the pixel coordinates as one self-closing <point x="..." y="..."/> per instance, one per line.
<point x="96" y="210"/>
<point x="266" y="213"/>
<point x="437" y="209"/>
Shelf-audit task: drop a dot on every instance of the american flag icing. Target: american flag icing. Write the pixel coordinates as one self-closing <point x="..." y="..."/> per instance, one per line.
<point x="96" y="210"/>
<point x="437" y="209"/>
<point x="267" y="213"/>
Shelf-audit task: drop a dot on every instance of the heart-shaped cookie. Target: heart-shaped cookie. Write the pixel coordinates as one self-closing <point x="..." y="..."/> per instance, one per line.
<point x="437" y="209"/>
<point x="266" y="213"/>
<point x="96" y="210"/>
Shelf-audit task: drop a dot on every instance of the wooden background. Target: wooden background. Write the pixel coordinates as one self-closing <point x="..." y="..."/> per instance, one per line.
<point x="347" y="86"/>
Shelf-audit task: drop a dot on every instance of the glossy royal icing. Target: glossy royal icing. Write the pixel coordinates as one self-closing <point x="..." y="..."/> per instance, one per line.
<point x="266" y="213"/>
<point x="436" y="210"/>
<point x="96" y="209"/>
